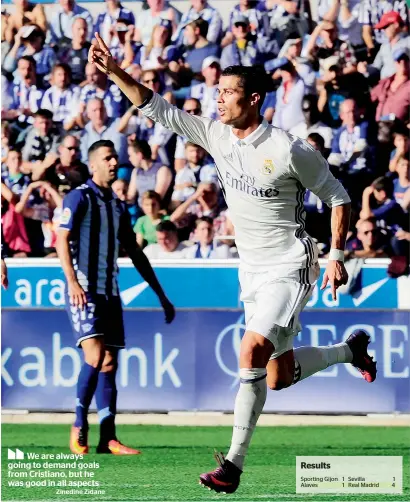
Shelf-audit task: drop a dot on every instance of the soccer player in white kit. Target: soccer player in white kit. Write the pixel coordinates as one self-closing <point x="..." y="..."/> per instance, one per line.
<point x="263" y="172"/>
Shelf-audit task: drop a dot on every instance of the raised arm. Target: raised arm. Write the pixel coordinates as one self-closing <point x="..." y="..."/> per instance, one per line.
<point x="196" y="129"/>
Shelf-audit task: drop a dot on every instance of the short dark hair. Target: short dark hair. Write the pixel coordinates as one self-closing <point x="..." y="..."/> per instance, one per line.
<point x="29" y="59"/>
<point x="202" y="25"/>
<point x="205" y="219"/>
<point x="166" y="226"/>
<point x="190" y="143"/>
<point x="14" y="149"/>
<point x="384" y="183"/>
<point x="371" y="220"/>
<point x="151" y="195"/>
<point x="64" y="66"/>
<point x="253" y="79"/>
<point x="46" y="114"/>
<point x="318" y="139"/>
<point x="37" y="32"/>
<point x="107" y="143"/>
<point x="142" y="146"/>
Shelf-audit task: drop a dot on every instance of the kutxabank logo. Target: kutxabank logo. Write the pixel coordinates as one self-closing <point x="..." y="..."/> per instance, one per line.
<point x="227" y="348"/>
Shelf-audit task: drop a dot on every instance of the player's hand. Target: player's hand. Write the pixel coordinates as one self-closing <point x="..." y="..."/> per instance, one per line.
<point x="4" y="276"/>
<point x="168" y="309"/>
<point x="335" y="275"/>
<point x="100" y="55"/>
<point x="77" y="295"/>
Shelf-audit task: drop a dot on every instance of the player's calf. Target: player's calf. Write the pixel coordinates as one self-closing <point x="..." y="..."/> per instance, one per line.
<point x="281" y="371"/>
<point x="275" y="384"/>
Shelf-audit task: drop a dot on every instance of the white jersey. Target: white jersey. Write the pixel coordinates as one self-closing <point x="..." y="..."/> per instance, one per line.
<point x="263" y="177"/>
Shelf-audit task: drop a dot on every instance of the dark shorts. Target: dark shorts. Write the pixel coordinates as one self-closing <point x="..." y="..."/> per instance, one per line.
<point x="101" y="316"/>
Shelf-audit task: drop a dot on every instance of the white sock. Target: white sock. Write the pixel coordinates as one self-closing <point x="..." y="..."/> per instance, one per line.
<point x="310" y="360"/>
<point x="249" y="404"/>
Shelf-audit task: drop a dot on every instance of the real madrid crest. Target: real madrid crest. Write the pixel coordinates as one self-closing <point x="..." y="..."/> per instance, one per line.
<point x="268" y="167"/>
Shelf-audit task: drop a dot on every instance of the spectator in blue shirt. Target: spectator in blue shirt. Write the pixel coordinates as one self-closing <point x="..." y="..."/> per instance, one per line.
<point x="269" y="105"/>
<point x="402" y="182"/>
<point x="100" y="127"/>
<point x="106" y="20"/>
<point x="281" y="14"/>
<point x="75" y="53"/>
<point x="292" y="49"/>
<point x="25" y="96"/>
<point x="30" y="41"/>
<point x="62" y="20"/>
<point x="12" y="177"/>
<point x="62" y="96"/>
<point x="370" y="14"/>
<point x="349" y="145"/>
<point x="200" y="9"/>
<point x="401" y="147"/>
<point x="378" y="202"/>
<point x="159" y="52"/>
<point x="198" y="47"/>
<point x="122" y="47"/>
<point x="245" y="50"/>
<point x="207" y="92"/>
<point x="346" y="15"/>
<point x="98" y="86"/>
<point x="289" y="97"/>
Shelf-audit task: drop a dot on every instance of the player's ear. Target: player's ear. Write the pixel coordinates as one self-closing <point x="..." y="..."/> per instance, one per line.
<point x="255" y="98"/>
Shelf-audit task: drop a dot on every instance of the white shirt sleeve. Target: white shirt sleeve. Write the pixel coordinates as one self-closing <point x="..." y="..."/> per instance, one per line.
<point x="198" y="130"/>
<point x="311" y="169"/>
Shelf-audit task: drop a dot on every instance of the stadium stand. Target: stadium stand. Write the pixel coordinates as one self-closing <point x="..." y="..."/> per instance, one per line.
<point x="339" y="79"/>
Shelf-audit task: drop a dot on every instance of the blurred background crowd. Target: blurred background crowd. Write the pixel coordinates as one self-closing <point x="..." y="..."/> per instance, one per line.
<point x="341" y="82"/>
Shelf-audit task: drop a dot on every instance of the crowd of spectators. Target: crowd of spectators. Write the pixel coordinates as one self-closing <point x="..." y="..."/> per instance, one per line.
<point x="342" y="83"/>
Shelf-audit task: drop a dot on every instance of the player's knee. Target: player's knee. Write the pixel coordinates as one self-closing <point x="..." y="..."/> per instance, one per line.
<point x="278" y="383"/>
<point x="255" y="351"/>
<point x="108" y="366"/>
<point x="94" y="358"/>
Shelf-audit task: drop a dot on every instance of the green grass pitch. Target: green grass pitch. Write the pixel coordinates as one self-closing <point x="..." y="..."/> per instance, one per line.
<point x="173" y="457"/>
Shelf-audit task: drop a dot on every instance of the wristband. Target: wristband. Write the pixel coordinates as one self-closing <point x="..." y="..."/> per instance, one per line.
<point x="337" y="254"/>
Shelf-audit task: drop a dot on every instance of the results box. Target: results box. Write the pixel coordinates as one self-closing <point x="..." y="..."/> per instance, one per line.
<point x="377" y="474"/>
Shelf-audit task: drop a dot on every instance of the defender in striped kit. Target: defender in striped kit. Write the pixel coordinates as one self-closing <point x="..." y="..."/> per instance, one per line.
<point x="94" y="223"/>
<point x="263" y="172"/>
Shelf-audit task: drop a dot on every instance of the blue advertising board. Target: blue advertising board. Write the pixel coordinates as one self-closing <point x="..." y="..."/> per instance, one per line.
<point x="196" y="284"/>
<point x="192" y="364"/>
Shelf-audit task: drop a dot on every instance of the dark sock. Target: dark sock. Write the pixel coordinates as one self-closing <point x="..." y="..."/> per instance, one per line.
<point x="106" y="399"/>
<point x="86" y="385"/>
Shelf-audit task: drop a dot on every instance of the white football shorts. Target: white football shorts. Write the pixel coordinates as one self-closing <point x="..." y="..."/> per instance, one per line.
<point x="273" y="304"/>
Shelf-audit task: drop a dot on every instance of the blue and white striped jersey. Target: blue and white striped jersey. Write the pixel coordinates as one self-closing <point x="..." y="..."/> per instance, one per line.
<point x="105" y="21"/>
<point x="98" y="222"/>
<point x="371" y="11"/>
<point x="112" y="97"/>
<point x="61" y="102"/>
<point x="25" y="97"/>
